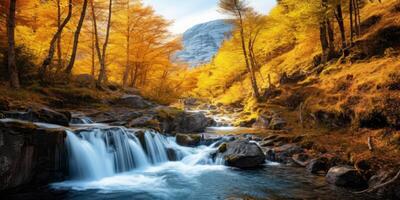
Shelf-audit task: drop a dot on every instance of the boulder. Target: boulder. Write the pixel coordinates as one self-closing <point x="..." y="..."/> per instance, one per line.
<point x="318" y="165"/>
<point x="191" y="122"/>
<point x="133" y="101"/>
<point x="243" y="154"/>
<point x="30" y="154"/>
<point x="345" y="176"/>
<point x="145" y="122"/>
<point x="284" y="153"/>
<point x="189" y="140"/>
<point x="43" y="114"/>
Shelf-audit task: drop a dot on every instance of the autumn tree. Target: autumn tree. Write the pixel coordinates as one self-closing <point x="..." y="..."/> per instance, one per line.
<point x="76" y="38"/>
<point x="48" y="59"/>
<point x="237" y="9"/>
<point x="101" y="54"/>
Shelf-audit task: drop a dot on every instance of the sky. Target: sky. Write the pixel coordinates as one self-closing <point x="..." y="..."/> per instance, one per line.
<point x="187" y="13"/>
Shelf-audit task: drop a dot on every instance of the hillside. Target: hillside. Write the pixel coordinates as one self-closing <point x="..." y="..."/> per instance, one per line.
<point x="348" y="106"/>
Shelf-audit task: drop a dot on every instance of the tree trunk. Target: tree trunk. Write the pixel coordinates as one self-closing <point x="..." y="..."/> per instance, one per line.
<point x="102" y="73"/>
<point x="47" y="61"/>
<point x="351" y="22"/>
<point x="68" y="70"/>
<point x="96" y="35"/>
<point x="256" y="94"/>
<point x="59" y="52"/>
<point x="355" y="9"/>
<point x="323" y="35"/>
<point x="128" y="35"/>
<point x="324" y="41"/>
<point x="331" y="39"/>
<point x="12" y="67"/>
<point x="93" y="53"/>
<point x="339" y="18"/>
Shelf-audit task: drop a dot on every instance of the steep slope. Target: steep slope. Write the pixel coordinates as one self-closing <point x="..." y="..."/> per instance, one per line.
<point x="202" y="41"/>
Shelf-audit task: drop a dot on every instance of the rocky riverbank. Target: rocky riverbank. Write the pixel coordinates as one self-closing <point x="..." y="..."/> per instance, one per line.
<point x="37" y="142"/>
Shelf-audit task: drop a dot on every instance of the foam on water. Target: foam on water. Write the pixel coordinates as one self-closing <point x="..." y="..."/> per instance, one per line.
<point x="114" y="158"/>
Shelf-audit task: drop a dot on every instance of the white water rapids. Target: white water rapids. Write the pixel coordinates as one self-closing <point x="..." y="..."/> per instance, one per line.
<point x="116" y="158"/>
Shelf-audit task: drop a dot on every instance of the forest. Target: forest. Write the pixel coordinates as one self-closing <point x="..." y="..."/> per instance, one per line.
<point x="300" y="102"/>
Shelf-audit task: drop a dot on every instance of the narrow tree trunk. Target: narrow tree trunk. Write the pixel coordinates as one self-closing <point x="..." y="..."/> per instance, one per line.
<point x="339" y="18"/>
<point x="68" y="70"/>
<point x="95" y="33"/>
<point x="47" y="61"/>
<point x="102" y="73"/>
<point x="351" y="22"/>
<point x="355" y="9"/>
<point x="128" y="35"/>
<point x="324" y="42"/>
<point x="357" y="16"/>
<point x="12" y="67"/>
<point x="93" y="53"/>
<point x="323" y="35"/>
<point x="256" y="94"/>
<point x="59" y="52"/>
<point x="331" y="38"/>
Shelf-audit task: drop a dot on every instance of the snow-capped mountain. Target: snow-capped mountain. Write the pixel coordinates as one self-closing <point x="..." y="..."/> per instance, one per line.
<point x="201" y="42"/>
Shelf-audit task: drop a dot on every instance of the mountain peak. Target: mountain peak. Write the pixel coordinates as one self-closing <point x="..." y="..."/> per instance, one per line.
<point x="202" y="41"/>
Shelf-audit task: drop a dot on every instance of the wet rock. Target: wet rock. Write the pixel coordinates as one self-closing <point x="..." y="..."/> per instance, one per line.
<point x="318" y="165"/>
<point x="285" y="152"/>
<point x="191" y="123"/>
<point x="189" y="140"/>
<point x="145" y="122"/>
<point x="172" y="155"/>
<point x="43" y="114"/>
<point x="30" y="155"/>
<point x="222" y="148"/>
<point x="243" y="154"/>
<point x="345" y="176"/>
<point x="133" y="101"/>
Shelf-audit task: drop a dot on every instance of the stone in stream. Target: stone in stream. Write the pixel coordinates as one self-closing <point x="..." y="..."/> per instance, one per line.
<point x="30" y="154"/>
<point x="318" y="165"/>
<point x="242" y="154"/>
<point x="189" y="140"/>
<point x="43" y="114"/>
<point x="191" y="122"/>
<point x="345" y="176"/>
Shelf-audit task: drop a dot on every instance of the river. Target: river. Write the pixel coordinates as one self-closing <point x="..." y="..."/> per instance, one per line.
<point x="117" y="163"/>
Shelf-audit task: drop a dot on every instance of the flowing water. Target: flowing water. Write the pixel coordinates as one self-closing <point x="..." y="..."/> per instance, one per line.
<point x="116" y="163"/>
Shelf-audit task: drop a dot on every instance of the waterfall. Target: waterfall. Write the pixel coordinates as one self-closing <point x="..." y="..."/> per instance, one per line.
<point x="103" y="152"/>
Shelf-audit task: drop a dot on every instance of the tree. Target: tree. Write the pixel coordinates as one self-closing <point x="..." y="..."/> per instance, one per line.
<point x="47" y="61"/>
<point x="76" y="39"/>
<point x="339" y="18"/>
<point x="12" y="67"/>
<point x="102" y="54"/>
<point x="237" y="9"/>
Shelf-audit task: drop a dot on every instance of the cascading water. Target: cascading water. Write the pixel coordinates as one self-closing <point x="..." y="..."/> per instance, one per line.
<point x="99" y="153"/>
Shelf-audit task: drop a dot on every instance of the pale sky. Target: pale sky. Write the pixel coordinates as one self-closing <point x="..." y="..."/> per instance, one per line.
<point x="187" y="13"/>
